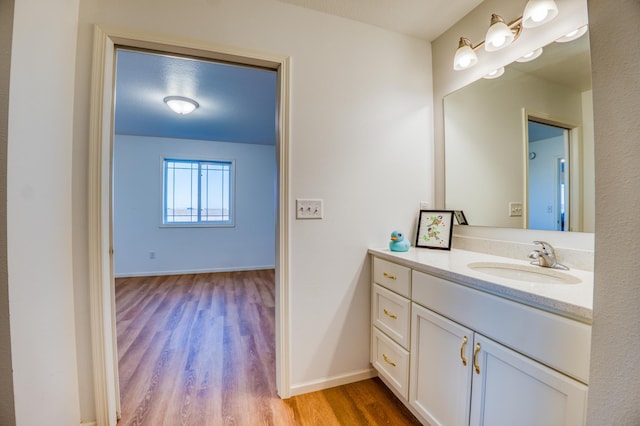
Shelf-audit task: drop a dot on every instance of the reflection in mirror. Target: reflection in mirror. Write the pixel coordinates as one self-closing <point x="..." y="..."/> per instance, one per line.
<point x="548" y="176"/>
<point x="541" y="109"/>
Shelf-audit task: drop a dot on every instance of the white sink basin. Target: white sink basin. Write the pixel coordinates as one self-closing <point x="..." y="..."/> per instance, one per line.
<point x="526" y="273"/>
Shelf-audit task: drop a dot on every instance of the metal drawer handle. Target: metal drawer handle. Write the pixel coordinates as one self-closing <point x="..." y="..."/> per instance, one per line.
<point x="391" y="277"/>
<point x="475" y="358"/>
<point x="389" y="314"/>
<point x="464" y="358"/>
<point x="388" y="361"/>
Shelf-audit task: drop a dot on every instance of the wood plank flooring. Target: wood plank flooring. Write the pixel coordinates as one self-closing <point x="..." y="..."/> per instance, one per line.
<point x="199" y="350"/>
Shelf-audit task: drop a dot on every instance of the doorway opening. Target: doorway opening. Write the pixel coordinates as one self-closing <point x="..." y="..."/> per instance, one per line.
<point x="548" y="189"/>
<point x="553" y="176"/>
<point x="191" y="296"/>
<point x="102" y="291"/>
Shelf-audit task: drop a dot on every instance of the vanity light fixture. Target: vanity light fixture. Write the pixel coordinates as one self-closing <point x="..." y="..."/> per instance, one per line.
<point x="495" y="73"/>
<point x="573" y="35"/>
<point x="538" y="12"/>
<point x="181" y="105"/>
<point x="531" y="55"/>
<point x="501" y="34"/>
<point x="465" y="57"/>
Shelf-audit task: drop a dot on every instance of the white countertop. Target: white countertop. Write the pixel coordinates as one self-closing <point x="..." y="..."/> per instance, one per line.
<point x="571" y="300"/>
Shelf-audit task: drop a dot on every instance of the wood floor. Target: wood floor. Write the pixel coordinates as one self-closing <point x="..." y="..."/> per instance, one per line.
<point x="200" y="350"/>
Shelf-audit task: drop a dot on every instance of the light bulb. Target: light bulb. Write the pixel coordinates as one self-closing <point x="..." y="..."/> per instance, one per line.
<point x="495" y="73"/>
<point x="531" y="55"/>
<point x="499" y="35"/>
<point x="465" y="57"/>
<point x="538" y="12"/>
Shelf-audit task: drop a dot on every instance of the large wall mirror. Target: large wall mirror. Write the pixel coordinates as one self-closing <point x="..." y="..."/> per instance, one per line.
<point x="519" y="148"/>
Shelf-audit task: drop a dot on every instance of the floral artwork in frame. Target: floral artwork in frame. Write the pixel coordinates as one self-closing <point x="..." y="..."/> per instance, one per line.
<point x="434" y="229"/>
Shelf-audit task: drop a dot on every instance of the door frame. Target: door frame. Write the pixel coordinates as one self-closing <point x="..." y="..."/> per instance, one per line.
<point x="100" y="232"/>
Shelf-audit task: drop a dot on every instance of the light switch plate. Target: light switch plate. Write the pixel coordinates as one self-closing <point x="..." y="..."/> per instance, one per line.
<point x="308" y="209"/>
<point x="515" y="209"/>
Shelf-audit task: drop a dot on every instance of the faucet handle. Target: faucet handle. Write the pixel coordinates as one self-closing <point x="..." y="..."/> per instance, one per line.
<point x="546" y="248"/>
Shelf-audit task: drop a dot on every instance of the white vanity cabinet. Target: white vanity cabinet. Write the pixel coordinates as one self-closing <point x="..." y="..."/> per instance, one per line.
<point x="440" y="369"/>
<point x="390" y="317"/>
<point x="459" y="377"/>
<point x="476" y="358"/>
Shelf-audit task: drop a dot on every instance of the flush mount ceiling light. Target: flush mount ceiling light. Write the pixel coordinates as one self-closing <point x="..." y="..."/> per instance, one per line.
<point x="573" y="35"/>
<point x="531" y="55"/>
<point x="501" y="34"/>
<point x="181" y="105"/>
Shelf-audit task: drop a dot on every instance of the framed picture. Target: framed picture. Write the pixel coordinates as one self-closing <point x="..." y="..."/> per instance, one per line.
<point x="434" y="229"/>
<point x="462" y="220"/>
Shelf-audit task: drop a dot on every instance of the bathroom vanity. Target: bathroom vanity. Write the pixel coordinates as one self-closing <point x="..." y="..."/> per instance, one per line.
<point x="466" y="338"/>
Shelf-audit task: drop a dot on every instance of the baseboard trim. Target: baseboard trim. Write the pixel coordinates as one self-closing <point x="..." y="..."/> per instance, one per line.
<point x="193" y="271"/>
<point x="88" y="424"/>
<point x="330" y="382"/>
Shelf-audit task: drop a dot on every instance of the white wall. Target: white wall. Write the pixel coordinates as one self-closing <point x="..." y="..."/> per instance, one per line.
<point x="39" y="215"/>
<point x="485" y="156"/>
<point x="250" y="244"/>
<point x="588" y="161"/>
<point x="361" y="139"/>
<point x="614" y="389"/>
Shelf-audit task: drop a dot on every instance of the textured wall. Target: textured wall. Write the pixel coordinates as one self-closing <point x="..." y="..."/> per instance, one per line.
<point x="7" y="411"/>
<point x="39" y="251"/>
<point x="615" y="371"/>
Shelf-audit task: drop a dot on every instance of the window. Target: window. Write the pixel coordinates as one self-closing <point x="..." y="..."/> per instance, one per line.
<point x="197" y="192"/>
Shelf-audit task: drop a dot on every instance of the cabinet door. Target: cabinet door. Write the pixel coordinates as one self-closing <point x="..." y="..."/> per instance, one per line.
<point x="441" y="355"/>
<point x="511" y="389"/>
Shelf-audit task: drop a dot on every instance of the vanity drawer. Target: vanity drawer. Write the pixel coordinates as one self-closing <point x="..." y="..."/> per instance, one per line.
<point x="391" y="314"/>
<point x="392" y="276"/>
<point x="391" y="361"/>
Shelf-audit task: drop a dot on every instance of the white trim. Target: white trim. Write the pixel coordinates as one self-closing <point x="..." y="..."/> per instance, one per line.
<point x="194" y="271"/>
<point x="88" y="424"/>
<point x="330" y="382"/>
<point x="101" y="274"/>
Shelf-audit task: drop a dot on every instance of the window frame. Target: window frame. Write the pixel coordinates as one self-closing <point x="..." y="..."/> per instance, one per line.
<point x="199" y="224"/>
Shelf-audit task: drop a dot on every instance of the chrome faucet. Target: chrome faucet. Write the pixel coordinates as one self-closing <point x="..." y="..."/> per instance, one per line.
<point x="545" y="257"/>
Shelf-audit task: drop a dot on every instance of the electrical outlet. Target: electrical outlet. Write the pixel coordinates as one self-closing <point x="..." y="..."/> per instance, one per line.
<point x="425" y="205"/>
<point x="308" y="209"/>
<point x="515" y="209"/>
<point x="152" y="255"/>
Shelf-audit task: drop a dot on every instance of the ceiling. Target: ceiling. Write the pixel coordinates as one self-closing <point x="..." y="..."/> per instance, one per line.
<point x="238" y="104"/>
<point x="425" y="19"/>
